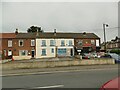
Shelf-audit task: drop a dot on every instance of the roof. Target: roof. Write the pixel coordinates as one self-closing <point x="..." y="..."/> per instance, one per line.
<point x="50" y="35"/>
<point x="67" y="35"/>
<point x="7" y="35"/>
<point x="26" y="35"/>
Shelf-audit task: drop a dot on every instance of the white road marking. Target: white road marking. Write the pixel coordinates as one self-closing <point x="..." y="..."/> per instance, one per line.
<point x="55" y="86"/>
<point x="57" y="72"/>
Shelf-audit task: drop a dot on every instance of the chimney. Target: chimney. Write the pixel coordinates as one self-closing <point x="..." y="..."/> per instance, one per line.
<point x="54" y="32"/>
<point x="16" y="32"/>
<point x="37" y="34"/>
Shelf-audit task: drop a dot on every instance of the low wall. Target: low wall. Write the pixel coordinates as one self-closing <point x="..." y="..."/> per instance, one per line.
<point x="46" y="64"/>
<point x="5" y="61"/>
<point x="21" y="57"/>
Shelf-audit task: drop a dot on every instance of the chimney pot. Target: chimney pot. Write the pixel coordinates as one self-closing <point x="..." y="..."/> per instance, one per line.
<point x="16" y="32"/>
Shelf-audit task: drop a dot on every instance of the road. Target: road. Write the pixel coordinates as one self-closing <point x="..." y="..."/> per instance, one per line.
<point x="93" y="78"/>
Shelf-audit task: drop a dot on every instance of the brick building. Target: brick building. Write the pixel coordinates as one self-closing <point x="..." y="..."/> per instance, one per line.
<point x="87" y="42"/>
<point x="24" y="46"/>
<point x="6" y="45"/>
<point x="47" y="44"/>
<point x="113" y="44"/>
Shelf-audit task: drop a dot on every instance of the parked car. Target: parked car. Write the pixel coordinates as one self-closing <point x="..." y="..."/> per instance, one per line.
<point x="106" y="56"/>
<point x="115" y="56"/>
<point x="95" y="55"/>
<point x="111" y="84"/>
<point x="85" y="56"/>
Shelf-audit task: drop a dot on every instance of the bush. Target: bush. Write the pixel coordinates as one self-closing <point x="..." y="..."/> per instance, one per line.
<point x="115" y="51"/>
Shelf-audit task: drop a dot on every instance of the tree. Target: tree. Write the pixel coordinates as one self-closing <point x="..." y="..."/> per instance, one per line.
<point x="34" y="29"/>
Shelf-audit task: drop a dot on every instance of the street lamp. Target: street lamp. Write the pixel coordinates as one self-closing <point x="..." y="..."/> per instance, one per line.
<point x="55" y="42"/>
<point x="104" y="26"/>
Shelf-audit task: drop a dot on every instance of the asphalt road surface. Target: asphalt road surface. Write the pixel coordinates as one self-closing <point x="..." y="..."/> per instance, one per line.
<point x="68" y="79"/>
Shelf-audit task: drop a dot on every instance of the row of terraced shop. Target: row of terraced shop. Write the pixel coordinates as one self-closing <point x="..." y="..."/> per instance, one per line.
<point x="47" y="44"/>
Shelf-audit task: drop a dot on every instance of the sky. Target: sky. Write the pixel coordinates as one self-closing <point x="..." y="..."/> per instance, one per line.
<point x="63" y="16"/>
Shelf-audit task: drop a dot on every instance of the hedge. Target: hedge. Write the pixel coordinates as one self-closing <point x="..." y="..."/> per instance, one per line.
<point x="115" y="51"/>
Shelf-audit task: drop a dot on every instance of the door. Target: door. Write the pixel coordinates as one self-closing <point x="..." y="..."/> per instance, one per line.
<point x="33" y="53"/>
<point x="71" y="52"/>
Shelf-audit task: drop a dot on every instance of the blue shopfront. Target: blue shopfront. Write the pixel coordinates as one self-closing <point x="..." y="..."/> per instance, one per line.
<point x="61" y="52"/>
<point x="65" y="52"/>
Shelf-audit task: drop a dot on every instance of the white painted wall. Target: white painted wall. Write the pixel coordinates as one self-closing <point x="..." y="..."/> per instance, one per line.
<point x="48" y="47"/>
<point x="21" y="57"/>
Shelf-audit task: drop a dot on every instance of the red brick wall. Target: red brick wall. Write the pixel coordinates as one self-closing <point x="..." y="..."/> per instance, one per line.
<point x="15" y="46"/>
<point x="85" y="41"/>
<point x="26" y="46"/>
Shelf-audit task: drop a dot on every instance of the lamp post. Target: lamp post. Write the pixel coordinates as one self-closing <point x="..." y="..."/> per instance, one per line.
<point x="55" y="42"/>
<point x="104" y="26"/>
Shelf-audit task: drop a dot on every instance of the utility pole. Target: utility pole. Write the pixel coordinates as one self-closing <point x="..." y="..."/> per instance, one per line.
<point x="104" y="26"/>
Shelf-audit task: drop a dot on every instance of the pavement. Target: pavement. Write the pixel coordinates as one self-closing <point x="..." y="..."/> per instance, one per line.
<point x="55" y="70"/>
<point x="45" y="59"/>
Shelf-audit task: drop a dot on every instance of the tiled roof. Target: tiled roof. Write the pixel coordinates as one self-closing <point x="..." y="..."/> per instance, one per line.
<point x="50" y="35"/>
<point x="7" y="35"/>
<point x="26" y="35"/>
<point x="67" y="35"/>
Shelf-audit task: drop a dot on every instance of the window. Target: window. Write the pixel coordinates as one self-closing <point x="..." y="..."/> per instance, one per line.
<point x="20" y="42"/>
<point x="9" y="43"/>
<point x="52" y="50"/>
<point x="9" y="52"/>
<point x="43" y="42"/>
<point x="52" y="42"/>
<point x="97" y="43"/>
<point x="70" y="42"/>
<point x="32" y="42"/>
<point x="44" y="52"/>
<point x="62" y="43"/>
<point x="23" y="52"/>
<point x="62" y="51"/>
<point x="93" y="42"/>
<point x="80" y="42"/>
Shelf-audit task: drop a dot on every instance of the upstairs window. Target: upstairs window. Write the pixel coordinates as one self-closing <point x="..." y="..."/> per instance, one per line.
<point x="93" y="42"/>
<point x="52" y="42"/>
<point x="80" y="42"/>
<point x="70" y="43"/>
<point x="97" y="43"/>
<point x="32" y="42"/>
<point x="43" y="42"/>
<point x="21" y="42"/>
<point x="9" y="43"/>
<point x="62" y="43"/>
